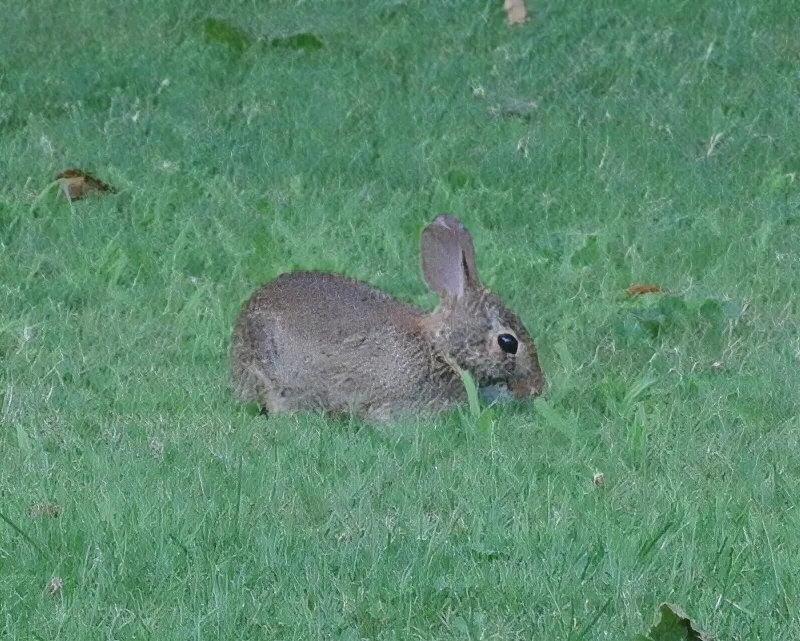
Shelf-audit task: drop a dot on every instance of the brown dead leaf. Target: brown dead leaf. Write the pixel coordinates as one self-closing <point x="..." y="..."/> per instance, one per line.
<point x="55" y="585"/>
<point x="77" y="184"/>
<point x="638" y="290"/>
<point x="516" y="12"/>
<point x="44" y="509"/>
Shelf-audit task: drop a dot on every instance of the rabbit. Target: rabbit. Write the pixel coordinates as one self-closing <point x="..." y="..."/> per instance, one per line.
<point x="319" y="341"/>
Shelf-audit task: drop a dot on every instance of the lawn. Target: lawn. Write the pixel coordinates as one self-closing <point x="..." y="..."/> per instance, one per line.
<point x="602" y="145"/>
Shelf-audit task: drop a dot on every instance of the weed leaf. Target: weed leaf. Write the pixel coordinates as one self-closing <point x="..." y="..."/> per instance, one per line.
<point x="298" y="41"/>
<point x="673" y="625"/>
<point x="221" y="33"/>
<point x="472" y="394"/>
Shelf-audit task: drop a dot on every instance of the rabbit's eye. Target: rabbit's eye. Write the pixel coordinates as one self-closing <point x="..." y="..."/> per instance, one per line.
<point x="508" y="343"/>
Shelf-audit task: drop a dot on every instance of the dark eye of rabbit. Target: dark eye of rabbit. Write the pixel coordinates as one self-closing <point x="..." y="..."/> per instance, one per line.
<point x="508" y="343"/>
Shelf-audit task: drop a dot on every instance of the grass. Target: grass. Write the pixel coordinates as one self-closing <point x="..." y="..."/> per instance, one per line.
<point x="662" y="148"/>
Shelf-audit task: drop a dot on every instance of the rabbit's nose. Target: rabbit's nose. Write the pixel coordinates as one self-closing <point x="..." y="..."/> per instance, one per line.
<point x="524" y="387"/>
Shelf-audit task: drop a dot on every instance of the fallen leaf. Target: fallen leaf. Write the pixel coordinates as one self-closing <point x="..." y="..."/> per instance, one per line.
<point x="638" y="290"/>
<point x="55" y="585"/>
<point x="522" y="109"/>
<point x="478" y="92"/>
<point x="44" y="509"/>
<point x="516" y="12"/>
<point x="76" y="184"/>
<point x="675" y="625"/>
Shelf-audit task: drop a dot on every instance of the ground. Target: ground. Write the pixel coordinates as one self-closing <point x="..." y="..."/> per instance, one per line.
<point x="599" y="146"/>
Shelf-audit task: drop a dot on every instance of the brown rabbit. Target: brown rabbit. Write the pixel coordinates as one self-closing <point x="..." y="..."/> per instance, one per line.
<point x="320" y="341"/>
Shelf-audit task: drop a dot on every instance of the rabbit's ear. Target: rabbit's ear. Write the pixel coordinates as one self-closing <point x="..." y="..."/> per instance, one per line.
<point x="448" y="257"/>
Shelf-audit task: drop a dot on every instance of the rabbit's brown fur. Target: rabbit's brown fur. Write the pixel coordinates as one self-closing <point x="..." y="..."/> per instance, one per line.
<point x="320" y="341"/>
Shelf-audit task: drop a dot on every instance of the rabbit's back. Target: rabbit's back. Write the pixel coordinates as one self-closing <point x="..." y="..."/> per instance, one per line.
<point x="319" y="341"/>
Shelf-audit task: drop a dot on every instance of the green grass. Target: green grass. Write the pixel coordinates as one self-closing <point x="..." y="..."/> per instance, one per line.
<point x="663" y="148"/>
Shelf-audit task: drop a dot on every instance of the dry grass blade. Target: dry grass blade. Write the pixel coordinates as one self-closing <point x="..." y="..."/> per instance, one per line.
<point x="44" y="509"/>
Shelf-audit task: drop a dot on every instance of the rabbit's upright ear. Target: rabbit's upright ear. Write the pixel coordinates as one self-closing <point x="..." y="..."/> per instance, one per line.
<point x="448" y="257"/>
